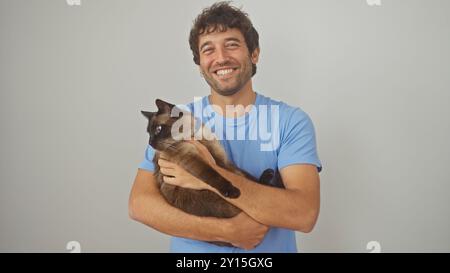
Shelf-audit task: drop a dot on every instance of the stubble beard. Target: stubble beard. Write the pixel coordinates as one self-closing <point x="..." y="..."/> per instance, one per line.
<point x="241" y="79"/>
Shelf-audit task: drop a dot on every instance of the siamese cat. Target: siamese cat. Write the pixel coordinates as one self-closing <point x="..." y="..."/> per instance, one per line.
<point x="166" y="139"/>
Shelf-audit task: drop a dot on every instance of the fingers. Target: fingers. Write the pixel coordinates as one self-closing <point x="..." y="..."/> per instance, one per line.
<point x="166" y="164"/>
<point x="167" y="168"/>
<point x="168" y="179"/>
<point x="168" y="171"/>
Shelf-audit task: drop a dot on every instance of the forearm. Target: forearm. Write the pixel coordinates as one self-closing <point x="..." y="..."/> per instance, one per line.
<point x="153" y="211"/>
<point x="287" y="208"/>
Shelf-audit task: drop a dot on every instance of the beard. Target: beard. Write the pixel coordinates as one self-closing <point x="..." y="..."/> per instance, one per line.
<point x="232" y="85"/>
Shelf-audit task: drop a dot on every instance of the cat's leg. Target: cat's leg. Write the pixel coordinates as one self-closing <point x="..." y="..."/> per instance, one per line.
<point x="269" y="177"/>
<point x="266" y="177"/>
<point x="272" y="178"/>
<point x="215" y="180"/>
<point x="207" y="174"/>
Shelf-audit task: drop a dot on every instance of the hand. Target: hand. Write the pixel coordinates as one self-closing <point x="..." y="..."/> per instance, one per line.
<point x="177" y="176"/>
<point x="244" y="232"/>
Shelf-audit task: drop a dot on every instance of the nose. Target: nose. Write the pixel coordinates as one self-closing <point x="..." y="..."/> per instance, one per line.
<point x="222" y="56"/>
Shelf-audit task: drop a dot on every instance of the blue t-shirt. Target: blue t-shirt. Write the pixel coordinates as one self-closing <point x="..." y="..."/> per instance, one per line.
<point x="271" y="135"/>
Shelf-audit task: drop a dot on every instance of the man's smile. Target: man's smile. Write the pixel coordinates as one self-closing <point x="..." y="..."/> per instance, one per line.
<point x="224" y="73"/>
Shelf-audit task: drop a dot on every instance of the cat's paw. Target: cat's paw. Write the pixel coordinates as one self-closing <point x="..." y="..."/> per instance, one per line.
<point x="267" y="176"/>
<point x="271" y="177"/>
<point x="230" y="192"/>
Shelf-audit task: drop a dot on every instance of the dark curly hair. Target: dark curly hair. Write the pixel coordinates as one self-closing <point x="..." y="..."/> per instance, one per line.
<point x="221" y="16"/>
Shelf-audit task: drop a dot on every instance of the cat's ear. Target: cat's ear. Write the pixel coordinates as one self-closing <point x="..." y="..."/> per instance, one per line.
<point x="148" y="115"/>
<point x="164" y="107"/>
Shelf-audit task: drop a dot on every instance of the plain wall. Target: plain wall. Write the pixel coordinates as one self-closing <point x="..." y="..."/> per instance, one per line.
<point x="73" y="79"/>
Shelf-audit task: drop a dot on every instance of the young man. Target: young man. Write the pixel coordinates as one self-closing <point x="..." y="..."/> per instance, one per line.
<point x="225" y="46"/>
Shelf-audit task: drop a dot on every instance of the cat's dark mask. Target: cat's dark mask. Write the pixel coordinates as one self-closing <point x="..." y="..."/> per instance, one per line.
<point x="160" y="123"/>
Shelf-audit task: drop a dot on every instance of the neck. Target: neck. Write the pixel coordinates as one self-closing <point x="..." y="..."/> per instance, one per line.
<point x="240" y="100"/>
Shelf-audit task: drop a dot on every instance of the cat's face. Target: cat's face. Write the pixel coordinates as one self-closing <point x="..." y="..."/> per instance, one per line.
<point x="160" y="125"/>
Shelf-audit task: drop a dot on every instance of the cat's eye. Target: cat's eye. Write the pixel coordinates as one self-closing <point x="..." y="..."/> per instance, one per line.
<point x="158" y="129"/>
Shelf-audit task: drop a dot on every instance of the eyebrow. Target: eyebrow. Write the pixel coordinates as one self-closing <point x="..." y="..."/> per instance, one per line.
<point x="226" y="40"/>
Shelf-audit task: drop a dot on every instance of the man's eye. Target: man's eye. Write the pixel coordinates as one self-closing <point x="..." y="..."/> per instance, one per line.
<point x="232" y="45"/>
<point x="158" y="129"/>
<point x="207" y="50"/>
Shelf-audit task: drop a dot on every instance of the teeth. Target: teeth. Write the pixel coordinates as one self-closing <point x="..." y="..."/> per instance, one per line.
<point x="224" y="71"/>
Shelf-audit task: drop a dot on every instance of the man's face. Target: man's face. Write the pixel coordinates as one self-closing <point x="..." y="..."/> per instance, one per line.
<point x="225" y="61"/>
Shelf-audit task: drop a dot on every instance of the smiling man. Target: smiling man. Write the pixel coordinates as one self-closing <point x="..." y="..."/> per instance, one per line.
<point x="234" y="70"/>
<point x="226" y="49"/>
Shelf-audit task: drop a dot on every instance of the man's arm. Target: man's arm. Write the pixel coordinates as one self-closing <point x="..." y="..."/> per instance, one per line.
<point x="148" y="206"/>
<point x="295" y="207"/>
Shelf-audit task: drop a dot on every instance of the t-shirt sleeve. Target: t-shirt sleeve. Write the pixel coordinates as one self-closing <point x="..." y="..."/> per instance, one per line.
<point x="298" y="141"/>
<point x="147" y="162"/>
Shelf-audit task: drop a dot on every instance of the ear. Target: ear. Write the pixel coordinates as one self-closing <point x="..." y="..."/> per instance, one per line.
<point x="148" y="115"/>
<point x="255" y="55"/>
<point x="163" y="107"/>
